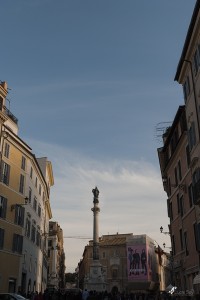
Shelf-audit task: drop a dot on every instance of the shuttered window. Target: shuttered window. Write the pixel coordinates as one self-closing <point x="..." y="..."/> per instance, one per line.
<point x="5" y="172"/>
<point x="17" y="243"/>
<point x="1" y="238"/>
<point x="19" y="215"/>
<point x="3" y="207"/>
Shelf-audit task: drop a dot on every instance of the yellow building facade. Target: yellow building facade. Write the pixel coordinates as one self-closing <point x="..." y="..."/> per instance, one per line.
<point x="25" y="209"/>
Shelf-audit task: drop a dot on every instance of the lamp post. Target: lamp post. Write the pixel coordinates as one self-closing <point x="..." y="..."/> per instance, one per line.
<point x="171" y="258"/>
<point x="164" y="232"/>
<point x="13" y="206"/>
<point x="164" y="245"/>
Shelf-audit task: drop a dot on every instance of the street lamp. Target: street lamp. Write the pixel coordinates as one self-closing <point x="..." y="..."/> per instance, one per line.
<point x="13" y="206"/>
<point x="164" y="245"/>
<point x="21" y="204"/>
<point x="164" y="232"/>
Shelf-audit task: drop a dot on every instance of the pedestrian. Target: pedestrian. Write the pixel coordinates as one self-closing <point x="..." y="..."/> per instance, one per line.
<point x="85" y="294"/>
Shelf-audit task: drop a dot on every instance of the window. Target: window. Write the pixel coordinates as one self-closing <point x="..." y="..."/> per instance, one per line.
<point x="19" y="215"/>
<point x="178" y="203"/>
<point x="23" y="163"/>
<point x="196" y="60"/>
<point x="31" y="172"/>
<point x="38" y="239"/>
<point x="173" y="245"/>
<point x="182" y="206"/>
<point x="36" y="182"/>
<point x="28" y="227"/>
<point x="185" y="241"/>
<point x="21" y="184"/>
<point x="40" y="189"/>
<point x="17" y="243"/>
<point x="35" y="203"/>
<point x="196" y="186"/>
<point x="5" y="173"/>
<point x="197" y="235"/>
<point x="43" y="198"/>
<point x="176" y="176"/>
<point x="192" y="136"/>
<point x="171" y="211"/>
<point x="1" y="103"/>
<point x="190" y="195"/>
<point x="169" y="187"/>
<point x="186" y="88"/>
<point x="33" y="233"/>
<point x="6" y="150"/>
<point x="181" y="238"/>
<point x="29" y="195"/>
<point x="172" y="145"/>
<point x="179" y="170"/>
<point x="188" y="155"/>
<point x="1" y="238"/>
<point x="39" y="210"/>
<point x="3" y="207"/>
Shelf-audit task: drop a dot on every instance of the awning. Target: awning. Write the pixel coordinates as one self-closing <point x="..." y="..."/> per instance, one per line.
<point x="170" y="289"/>
<point x="196" y="279"/>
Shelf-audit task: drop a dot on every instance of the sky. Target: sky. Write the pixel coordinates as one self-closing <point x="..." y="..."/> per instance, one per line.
<point x="92" y="83"/>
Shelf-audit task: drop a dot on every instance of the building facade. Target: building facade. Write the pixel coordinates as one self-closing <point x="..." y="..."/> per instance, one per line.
<point x="180" y="163"/>
<point x="56" y="257"/>
<point x="129" y="263"/>
<point x="176" y="173"/>
<point x="25" y="209"/>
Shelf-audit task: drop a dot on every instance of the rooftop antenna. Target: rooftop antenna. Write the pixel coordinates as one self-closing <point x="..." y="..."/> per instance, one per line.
<point x="160" y="129"/>
<point x="8" y="103"/>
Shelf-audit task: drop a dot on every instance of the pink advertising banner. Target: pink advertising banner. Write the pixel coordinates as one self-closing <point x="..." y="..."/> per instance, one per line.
<point x="139" y="262"/>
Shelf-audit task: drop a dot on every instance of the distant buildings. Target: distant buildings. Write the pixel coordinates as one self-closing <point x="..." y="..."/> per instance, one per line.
<point x="25" y="209"/>
<point x="56" y="256"/>
<point x="180" y="164"/>
<point x="129" y="263"/>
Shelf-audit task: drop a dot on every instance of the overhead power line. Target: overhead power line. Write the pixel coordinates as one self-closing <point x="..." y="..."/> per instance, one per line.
<point x="77" y="237"/>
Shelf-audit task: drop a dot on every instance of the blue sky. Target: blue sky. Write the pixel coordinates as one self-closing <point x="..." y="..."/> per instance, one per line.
<point x="90" y="80"/>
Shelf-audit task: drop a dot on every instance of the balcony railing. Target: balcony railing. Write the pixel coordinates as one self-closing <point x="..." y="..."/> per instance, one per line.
<point x="10" y="115"/>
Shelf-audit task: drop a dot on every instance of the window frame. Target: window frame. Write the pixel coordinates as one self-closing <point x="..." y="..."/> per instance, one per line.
<point x="23" y="163"/>
<point x="5" y="172"/>
<point x="3" y="207"/>
<point x="21" y="183"/>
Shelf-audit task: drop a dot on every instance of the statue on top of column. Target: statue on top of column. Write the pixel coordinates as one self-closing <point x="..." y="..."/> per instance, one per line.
<point x="96" y="195"/>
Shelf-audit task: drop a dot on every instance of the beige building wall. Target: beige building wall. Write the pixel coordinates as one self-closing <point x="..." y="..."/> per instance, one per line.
<point x="24" y="215"/>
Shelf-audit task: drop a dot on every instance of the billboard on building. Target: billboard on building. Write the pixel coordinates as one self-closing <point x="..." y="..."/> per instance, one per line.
<point x="140" y="257"/>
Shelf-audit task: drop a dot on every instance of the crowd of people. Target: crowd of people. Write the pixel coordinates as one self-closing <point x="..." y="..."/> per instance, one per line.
<point x="93" y="295"/>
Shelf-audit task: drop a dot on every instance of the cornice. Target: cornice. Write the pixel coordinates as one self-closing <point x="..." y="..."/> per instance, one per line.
<point x="3" y="117"/>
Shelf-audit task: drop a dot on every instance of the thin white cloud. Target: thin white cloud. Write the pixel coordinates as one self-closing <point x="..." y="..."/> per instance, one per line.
<point x="131" y="197"/>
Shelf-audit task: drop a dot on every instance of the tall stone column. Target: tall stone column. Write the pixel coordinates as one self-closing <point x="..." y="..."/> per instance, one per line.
<point x="96" y="211"/>
<point x="95" y="280"/>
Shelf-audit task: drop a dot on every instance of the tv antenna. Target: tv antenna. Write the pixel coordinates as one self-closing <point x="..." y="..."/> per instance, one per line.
<point x="160" y="129"/>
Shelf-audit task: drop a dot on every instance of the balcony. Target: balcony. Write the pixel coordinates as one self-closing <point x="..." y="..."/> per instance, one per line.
<point x="10" y="115"/>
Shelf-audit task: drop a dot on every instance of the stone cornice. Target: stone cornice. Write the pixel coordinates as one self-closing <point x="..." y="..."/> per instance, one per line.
<point x="3" y="117"/>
